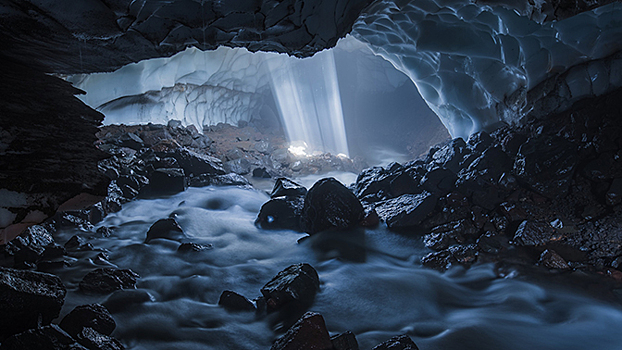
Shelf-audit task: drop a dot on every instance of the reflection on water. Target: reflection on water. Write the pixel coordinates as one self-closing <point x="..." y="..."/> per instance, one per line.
<point x="372" y="284"/>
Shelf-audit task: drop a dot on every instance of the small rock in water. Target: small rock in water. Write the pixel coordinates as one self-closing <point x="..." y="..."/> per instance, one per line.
<point x="193" y="247"/>
<point x="107" y="280"/>
<point x="165" y="228"/>
<point x="93" y="340"/>
<point x="308" y="333"/>
<point x="94" y="316"/>
<point x="329" y="204"/>
<point x="400" y="342"/>
<point x="550" y="259"/>
<point x="233" y="301"/>
<point x="28" y="299"/>
<point x="345" y="341"/>
<point x="296" y="284"/>
<point x="78" y="243"/>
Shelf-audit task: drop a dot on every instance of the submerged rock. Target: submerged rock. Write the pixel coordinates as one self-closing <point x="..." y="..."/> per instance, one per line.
<point x="297" y="285"/>
<point x="107" y="280"/>
<point x="400" y="342"/>
<point x="166" y="229"/>
<point x="329" y="204"/>
<point x="28" y="299"/>
<point x="94" y="316"/>
<point x="49" y="337"/>
<point x="233" y="301"/>
<point x="308" y="333"/>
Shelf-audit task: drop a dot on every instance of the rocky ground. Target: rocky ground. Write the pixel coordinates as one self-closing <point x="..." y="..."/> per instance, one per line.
<point x="546" y="196"/>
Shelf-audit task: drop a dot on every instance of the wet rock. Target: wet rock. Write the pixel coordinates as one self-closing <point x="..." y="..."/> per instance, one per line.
<point x="547" y="165"/>
<point x="479" y="141"/>
<point x="491" y="242"/>
<point x="104" y="231"/>
<point x="308" y="333"/>
<point x="406" y="210"/>
<point x="450" y="155"/>
<point x="28" y="247"/>
<point x="94" y="316"/>
<point x="196" y="164"/>
<point x="444" y="236"/>
<point x="94" y="340"/>
<point x="406" y="182"/>
<point x="107" y="280"/>
<point x="130" y="140"/>
<point x="233" y="301"/>
<point x="124" y="299"/>
<point x="76" y="243"/>
<point x="286" y="187"/>
<point x="329" y="204"/>
<point x="239" y="166"/>
<point x="345" y="341"/>
<point x="164" y="182"/>
<point x="281" y="213"/>
<point x="166" y="229"/>
<point x="370" y="218"/>
<point x="193" y="247"/>
<point x="614" y="194"/>
<point x="550" y="259"/>
<point x="28" y="299"/>
<point x="49" y="337"/>
<point x="439" y="181"/>
<point x="373" y="180"/>
<point x="261" y="173"/>
<point x="457" y="254"/>
<point x="231" y="179"/>
<point x="74" y="219"/>
<point x="531" y="233"/>
<point x="296" y="285"/>
<point x="400" y="342"/>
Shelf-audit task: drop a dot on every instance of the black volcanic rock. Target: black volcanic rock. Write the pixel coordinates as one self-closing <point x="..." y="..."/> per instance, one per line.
<point x="400" y="342"/>
<point x="345" y="341"/>
<point x="287" y="187"/>
<point x="406" y="210"/>
<point x="297" y="285"/>
<point x="233" y="301"/>
<point x="29" y="246"/>
<point x="329" y="204"/>
<point x="93" y="340"/>
<point x="281" y="213"/>
<point x="309" y="332"/>
<point x="94" y="316"/>
<point x="107" y="280"/>
<point x="164" y="182"/>
<point x="166" y="229"/>
<point x="27" y="299"/>
<point x="49" y="337"/>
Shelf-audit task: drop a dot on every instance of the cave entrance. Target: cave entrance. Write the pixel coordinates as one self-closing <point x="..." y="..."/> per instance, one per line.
<point x="345" y="100"/>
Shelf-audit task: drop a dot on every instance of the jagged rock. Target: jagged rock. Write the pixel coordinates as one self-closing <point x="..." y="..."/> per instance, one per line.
<point x="457" y="254"/>
<point x="547" y="165"/>
<point x="329" y="204"/>
<point x="450" y="155"/>
<point x="29" y="246"/>
<point x="45" y="338"/>
<point x="400" y="342"/>
<point x="166" y="229"/>
<point x="345" y="341"/>
<point x="94" y="316"/>
<point x="107" y="280"/>
<point x="406" y="210"/>
<point x="491" y="164"/>
<point x="439" y="181"/>
<point x="130" y="140"/>
<point x="308" y="333"/>
<point x="193" y="247"/>
<point x="27" y="299"/>
<point x="444" y="236"/>
<point x="93" y="340"/>
<point x="78" y="243"/>
<point x="531" y="233"/>
<point x="370" y="218"/>
<point x="297" y="285"/>
<point x="286" y="187"/>
<point x="104" y="231"/>
<point x="74" y="219"/>
<point x="479" y="141"/>
<point x="405" y="182"/>
<point x="239" y="166"/>
<point x="491" y="243"/>
<point x="197" y="164"/>
<point x="165" y="181"/>
<point x="281" y="213"/>
<point x="233" y="301"/>
<point x="231" y="179"/>
<point x="373" y="180"/>
<point x="550" y="259"/>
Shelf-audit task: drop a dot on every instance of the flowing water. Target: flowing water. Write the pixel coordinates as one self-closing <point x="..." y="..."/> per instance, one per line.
<point x="371" y="283"/>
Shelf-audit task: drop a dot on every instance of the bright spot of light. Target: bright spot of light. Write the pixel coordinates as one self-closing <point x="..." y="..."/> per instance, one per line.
<point x="298" y="151"/>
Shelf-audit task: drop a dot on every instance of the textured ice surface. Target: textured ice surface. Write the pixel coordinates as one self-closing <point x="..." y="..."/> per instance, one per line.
<point x="466" y="59"/>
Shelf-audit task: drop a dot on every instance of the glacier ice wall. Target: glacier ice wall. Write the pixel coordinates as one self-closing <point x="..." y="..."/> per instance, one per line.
<point x="474" y="64"/>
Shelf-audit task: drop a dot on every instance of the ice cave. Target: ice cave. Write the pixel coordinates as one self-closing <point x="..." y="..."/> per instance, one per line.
<point x="311" y="174"/>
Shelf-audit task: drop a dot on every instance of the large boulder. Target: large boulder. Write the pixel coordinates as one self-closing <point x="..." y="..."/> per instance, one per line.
<point x="28" y="299"/>
<point x="406" y="210"/>
<point x="165" y="181"/>
<point x="297" y="285"/>
<point x="308" y="333"/>
<point x="329" y="204"/>
<point x="107" y="280"/>
<point x="196" y="164"/>
<point x="94" y="316"/>
<point x="281" y="213"/>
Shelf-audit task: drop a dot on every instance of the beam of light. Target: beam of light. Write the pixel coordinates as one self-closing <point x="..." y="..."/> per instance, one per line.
<point x="308" y="98"/>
